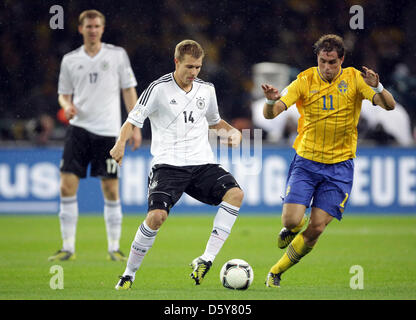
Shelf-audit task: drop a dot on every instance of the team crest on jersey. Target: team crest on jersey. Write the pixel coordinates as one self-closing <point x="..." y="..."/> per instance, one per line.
<point x="139" y="111"/>
<point x="342" y="86"/>
<point x="105" y="65"/>
<point x="200" y="103"/>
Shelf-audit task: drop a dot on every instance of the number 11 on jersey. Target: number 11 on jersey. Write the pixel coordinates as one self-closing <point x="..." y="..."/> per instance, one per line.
<point x="331" y="105"/>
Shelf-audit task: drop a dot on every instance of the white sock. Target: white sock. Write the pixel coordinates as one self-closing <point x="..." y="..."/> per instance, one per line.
<point x="223" y="222"/>
<point x="142" y="243"/>
<point x="113" y="219"/>
<point x="68" y="217"/>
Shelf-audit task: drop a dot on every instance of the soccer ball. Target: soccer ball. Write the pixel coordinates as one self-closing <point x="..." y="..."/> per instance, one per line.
<point x="236" y="274"/>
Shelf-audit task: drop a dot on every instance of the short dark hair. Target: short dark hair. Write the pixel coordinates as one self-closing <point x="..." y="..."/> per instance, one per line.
<point x="328" y="43"/>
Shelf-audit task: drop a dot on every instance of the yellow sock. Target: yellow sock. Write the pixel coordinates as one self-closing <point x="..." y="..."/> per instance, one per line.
<point x="295" y="251"/>
<point x="299" y="226"/>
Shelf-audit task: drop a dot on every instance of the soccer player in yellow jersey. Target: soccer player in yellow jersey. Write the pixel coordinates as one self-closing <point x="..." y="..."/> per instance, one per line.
<point x="328" y="98"/>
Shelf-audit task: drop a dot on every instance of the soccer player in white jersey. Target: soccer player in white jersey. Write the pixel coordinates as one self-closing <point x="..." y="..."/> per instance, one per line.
<point x="181" y="108"/>
<point x="90" y="81"/>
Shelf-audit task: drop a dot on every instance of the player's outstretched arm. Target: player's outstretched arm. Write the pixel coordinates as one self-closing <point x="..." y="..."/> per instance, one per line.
<point x="117" y="152"/>
<point x="383" y="98"/>
<point x="272" y="107"/>
<point x="227" y="133"/>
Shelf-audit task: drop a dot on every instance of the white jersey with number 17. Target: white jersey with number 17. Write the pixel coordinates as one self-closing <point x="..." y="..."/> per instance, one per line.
<point x="95" y="84"/>
<point x="179" y="121"/>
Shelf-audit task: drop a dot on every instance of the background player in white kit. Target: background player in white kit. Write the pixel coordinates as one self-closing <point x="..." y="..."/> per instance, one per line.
<point x="181" y="108"/>
<point x="90" y="80"/>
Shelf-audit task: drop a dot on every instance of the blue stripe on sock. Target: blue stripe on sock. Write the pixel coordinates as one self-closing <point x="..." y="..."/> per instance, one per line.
<point x="292" y="254"/>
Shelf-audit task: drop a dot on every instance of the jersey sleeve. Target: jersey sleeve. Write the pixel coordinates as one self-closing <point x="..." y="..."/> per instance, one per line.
<point x="212" y="115"/>
<point x="65" y="85"/>
<point x="363" y="88"/>
<point x="127" y="78"/>
<point x="291" y="93"/>
<point x="145" y="106"/>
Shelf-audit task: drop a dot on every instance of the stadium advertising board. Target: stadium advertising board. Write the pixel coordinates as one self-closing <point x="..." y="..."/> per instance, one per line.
<point x="384" y="181"/>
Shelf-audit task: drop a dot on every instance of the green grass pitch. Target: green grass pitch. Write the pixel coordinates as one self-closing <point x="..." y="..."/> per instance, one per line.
<point x="384" y="246"/>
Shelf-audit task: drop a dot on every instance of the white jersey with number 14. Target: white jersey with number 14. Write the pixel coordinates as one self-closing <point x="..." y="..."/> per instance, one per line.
<point x="179" y="121"/>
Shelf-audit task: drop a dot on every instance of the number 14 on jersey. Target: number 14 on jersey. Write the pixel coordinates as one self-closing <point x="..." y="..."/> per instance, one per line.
<point x="188" y="118"/>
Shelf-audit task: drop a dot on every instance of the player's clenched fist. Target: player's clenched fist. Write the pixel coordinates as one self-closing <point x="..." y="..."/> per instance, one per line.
<point x="234" y="138"/>
<point x="70" y="112"/>
<point x="117" y="152"/>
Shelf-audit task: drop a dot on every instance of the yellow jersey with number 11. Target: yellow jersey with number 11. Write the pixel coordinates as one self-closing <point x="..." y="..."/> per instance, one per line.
<point x="329" y="113"/>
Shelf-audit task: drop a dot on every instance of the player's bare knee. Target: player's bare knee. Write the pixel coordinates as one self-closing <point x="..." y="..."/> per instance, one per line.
<point x="67" y="189"/>
<point x="290" y="222"/>
<point x="155" y="218"/>
<point x="292" y="215"/>
<point x="234" y="196"/>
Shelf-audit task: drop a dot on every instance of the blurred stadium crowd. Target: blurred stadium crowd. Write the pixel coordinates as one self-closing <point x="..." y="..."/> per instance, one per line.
<point x="236" y="34"/>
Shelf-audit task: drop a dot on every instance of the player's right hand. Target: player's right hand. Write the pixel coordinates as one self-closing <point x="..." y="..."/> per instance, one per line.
<point x="70" y="112"/>
<point x="270" y="92"/>
<point x="117" y="152"/>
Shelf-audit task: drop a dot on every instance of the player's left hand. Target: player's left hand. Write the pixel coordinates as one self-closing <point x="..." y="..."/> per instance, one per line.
<point x="234" y="139"/>
<point x="370" y="77"/>
<point x="136" y="139"/>
<point x="270" y="92"/>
